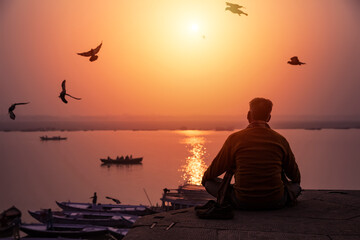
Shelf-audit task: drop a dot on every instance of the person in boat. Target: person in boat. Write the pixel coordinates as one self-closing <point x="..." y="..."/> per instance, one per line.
<point x="94" y="199"/>
<point x="49" y="221"/>
<point x="265" y="171"/>
<point x="131" y="156"/>
<point x="127" y="157"/>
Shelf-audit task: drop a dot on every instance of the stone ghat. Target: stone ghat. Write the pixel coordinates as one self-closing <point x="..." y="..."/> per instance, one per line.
<point x="320" y="214"/>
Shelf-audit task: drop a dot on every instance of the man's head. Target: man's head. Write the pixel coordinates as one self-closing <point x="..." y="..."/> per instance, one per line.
<point x="260" y="110"/>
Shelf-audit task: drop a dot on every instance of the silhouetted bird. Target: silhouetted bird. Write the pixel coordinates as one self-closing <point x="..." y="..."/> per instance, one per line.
<point x="234" y="8"/>
<point x="12" y="108"/>
<point x="92" y="53"/>
<point x="63" y="93"/>
<point x="295" y="61"/>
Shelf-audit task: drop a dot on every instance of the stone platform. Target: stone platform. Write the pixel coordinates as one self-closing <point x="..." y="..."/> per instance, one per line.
<point x="320" y="215"/>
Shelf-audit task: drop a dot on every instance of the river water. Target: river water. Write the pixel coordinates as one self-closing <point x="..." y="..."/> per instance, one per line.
<point x="34" y="173"/>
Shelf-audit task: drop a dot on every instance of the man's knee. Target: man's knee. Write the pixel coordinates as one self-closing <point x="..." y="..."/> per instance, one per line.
<point x="212" y="186"/>
<point x="295" y="189"/>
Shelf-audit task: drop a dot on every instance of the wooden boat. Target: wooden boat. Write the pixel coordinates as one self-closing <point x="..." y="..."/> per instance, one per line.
<point x="6" y="231"/>
<point x="55" y="138"/>
<point x="63" y="230"/>
<point x="138" y="210"/>
<point x="118" y="233"/>
<point x="121" y="160"/>
<point x="7" y="220"/>
<point x="185" y="196"/>
<point x="43" y="238"/>
<point x="92" y="218"/>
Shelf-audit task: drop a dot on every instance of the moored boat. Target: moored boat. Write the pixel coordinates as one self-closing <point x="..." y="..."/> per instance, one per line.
<point x="138" y="210"/>
<point x="6" y="231"/>
<point x="118" y="233"/>
<point x="54" y="138"/>
<point x="7" y="220"/>
<point x="92" y="218"/>
<point x="185" y="196"/>
<point x="63" y="230"/>
<point x="121" y="160"/>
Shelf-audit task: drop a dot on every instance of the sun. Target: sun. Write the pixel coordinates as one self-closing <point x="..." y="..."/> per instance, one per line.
<point x="194" y="27"/>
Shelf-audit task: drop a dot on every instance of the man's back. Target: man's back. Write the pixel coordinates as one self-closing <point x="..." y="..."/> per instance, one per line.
<point x="259" y="156"/>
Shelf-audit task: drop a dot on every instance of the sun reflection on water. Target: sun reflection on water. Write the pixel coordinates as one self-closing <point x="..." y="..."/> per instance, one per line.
<point x="194" y="167"/>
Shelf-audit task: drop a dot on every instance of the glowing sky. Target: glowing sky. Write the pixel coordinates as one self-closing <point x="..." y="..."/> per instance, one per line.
<point x="188" y="57"/>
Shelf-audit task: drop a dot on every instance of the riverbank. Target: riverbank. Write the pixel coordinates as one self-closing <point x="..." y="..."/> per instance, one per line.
<point x="140" y="124"/>
<point x="320" y="214"/>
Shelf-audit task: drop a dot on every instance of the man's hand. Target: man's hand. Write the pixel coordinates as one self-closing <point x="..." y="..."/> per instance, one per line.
<point x="203" y="181"/>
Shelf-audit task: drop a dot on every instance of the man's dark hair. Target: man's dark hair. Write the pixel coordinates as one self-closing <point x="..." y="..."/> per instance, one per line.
<point x="260" y="108"/>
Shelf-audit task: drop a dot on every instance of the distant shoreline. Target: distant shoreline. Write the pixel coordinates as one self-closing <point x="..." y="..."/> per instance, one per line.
<point x="141" y="124"/>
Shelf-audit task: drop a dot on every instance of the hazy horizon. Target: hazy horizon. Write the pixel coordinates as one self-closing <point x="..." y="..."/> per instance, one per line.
<point x="235" y="117"/>
<point x="78" y="123"/>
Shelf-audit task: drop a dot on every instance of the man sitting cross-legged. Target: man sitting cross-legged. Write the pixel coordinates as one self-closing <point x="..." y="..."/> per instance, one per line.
<point x="265" y="171"/>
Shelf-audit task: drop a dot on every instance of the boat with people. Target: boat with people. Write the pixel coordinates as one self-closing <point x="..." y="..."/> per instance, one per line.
<point x="63" y="230"/>
<point x="139" y="210"/>
<point x="54" y="138"/>
<point x="122" y="160"/>
<point x="92" y="218"/>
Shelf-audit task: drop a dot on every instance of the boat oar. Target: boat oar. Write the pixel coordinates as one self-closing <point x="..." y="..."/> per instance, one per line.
<point x="147" y="197"/>
<point x="117" y="201"/>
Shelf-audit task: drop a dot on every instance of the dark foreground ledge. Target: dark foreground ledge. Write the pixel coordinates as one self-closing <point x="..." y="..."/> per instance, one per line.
<point x="320" y="214"/>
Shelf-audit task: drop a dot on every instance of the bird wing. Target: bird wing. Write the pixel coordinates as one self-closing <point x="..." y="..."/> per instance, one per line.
<point x="86" y="54"/>
<point x="73" y="97"/>
<point x="97" y="49"/>
<point x="12" y="115"/>
<point x="233" y="5"/>
<point x="294" y="59"/>
<point x="63" y="85"/>
<point x="23" y="103"/>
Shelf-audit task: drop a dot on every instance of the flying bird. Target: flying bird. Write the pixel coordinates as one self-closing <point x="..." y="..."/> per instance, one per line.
<point x="12" y="108"/>
<point x="235" y="8"/>
<point x="92" y="53"/>
<point x="63" y="93"/>
<point x="295" y="61"/>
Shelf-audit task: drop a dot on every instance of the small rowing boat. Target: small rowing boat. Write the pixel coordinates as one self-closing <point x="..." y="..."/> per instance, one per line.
<point x="92" y="218"/>
<point x="63" y="230"/>
<point x="55" y="138"/>
<point x="138" y="210"/>
<point x="121" y="160"/>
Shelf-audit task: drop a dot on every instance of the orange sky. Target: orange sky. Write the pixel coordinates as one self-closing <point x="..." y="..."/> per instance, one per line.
<point x="153" y="62"/>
